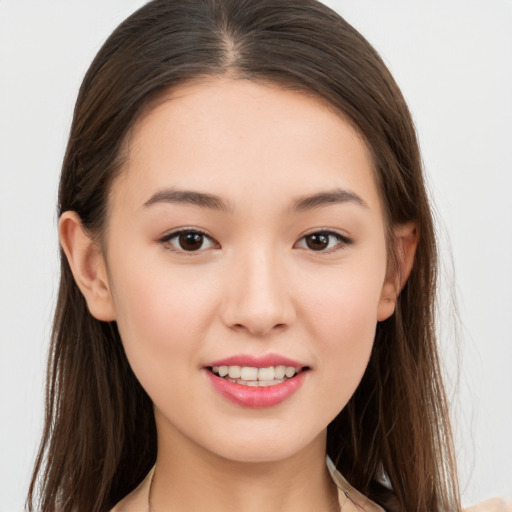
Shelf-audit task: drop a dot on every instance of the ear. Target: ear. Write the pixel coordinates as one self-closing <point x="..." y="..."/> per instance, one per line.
<point x="87" y="265"/>
<point x="405" y="241"/>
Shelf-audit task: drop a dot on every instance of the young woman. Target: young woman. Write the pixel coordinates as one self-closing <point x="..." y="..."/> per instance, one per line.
<point x="246" y="311"/>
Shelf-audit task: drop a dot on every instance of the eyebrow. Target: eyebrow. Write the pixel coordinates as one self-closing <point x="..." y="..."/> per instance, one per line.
<point x="337" y="196"/>
<point x="200" y="199"/>
<point x="213" y="202"/>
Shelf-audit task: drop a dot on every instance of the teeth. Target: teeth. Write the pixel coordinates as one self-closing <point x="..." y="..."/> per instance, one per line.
<point x="279" y="372"/>
<point x="256" y="383"/>
<point x="289" y="372"/>
<point x="234" y="372"/>
<point x="252" y="376"/>
<point x="248" y="373"/>
<point x="266" y="373"/>
<point x="270" y="382"/>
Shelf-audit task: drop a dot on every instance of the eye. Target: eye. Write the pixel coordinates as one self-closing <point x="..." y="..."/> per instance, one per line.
<point x="325" y="241"/>
<point x="188" y="240"/>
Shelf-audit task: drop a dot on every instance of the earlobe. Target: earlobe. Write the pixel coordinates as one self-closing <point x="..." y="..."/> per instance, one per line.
<point x="406" y="241"/>
<point x="87" y="265"/>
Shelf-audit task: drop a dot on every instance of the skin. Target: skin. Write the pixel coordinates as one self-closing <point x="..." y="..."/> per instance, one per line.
<point x="253" y="287"/>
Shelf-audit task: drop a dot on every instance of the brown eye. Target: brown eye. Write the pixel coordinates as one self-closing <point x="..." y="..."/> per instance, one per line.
<point x="188" y="241"/>
<point x="324" y="241"/>
<point x="317" y="241"/>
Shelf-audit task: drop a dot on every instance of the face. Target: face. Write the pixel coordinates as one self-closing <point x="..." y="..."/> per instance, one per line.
<point x="245" y="236"/>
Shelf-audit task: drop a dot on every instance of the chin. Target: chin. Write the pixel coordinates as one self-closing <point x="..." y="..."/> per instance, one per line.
<point x="267" y="447"/>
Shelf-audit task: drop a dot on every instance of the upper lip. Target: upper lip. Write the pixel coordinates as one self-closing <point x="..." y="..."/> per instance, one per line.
<point x="256" y="361"/>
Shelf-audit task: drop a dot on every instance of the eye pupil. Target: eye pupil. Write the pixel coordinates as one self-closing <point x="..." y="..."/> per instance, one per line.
<point x="317" y="241"/>
<point x="190" y="241"/>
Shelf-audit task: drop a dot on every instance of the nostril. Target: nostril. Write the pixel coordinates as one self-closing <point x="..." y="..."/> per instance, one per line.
<point x="258" y="330"/>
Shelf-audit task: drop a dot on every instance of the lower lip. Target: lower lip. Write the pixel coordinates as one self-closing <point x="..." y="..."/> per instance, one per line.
<point x="256" y="396"/>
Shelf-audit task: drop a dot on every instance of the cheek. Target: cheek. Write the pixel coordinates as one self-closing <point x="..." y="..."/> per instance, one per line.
<point x="342" y="321"/>
<point x="343" y="303"/>
<point x="162" y="315"/>
<point x="345" y="327"/>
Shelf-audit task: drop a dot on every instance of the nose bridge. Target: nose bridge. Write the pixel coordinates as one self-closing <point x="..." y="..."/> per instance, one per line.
<point x="258" y="297"/>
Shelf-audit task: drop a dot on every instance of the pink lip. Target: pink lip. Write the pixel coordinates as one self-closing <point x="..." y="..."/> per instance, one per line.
<point x="256" y="361"/>
<point x="256" y="397"/>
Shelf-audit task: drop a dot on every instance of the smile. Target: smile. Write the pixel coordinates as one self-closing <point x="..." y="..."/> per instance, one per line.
<point x="256" y="382"/>
<point x="256" y="377"/>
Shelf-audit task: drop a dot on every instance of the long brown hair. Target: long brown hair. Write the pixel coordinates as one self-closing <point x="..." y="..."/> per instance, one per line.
<point x="393" y="440"/>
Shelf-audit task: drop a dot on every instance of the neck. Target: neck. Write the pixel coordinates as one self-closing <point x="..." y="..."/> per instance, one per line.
<point x="188" y="478"/>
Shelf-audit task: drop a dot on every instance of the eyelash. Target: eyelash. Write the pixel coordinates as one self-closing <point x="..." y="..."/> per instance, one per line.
<point x="341" y="241"/>
<point x="167" y="240"/>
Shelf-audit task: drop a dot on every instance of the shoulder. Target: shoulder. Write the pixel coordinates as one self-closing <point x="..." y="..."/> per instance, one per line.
<point x="493" y="505"/>
<point x="350" y="498"/>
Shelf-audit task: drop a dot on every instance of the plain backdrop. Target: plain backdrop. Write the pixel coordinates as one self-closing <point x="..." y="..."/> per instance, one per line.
<point x="453" y="61"/>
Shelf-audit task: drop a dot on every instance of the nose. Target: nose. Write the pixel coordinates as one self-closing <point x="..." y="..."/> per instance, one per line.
<point x="258" y="297"/>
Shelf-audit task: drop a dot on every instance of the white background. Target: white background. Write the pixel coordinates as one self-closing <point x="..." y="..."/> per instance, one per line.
<point x="453" y="60"/>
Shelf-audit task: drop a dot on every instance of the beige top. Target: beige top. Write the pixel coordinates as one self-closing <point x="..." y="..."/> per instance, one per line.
<point x="349" y="498"/>
<point x="492" y="505"/>
<point x="138" y="499"/>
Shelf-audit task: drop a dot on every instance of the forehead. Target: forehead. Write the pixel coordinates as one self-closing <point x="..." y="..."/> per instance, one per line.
<point x="222" y="136"/>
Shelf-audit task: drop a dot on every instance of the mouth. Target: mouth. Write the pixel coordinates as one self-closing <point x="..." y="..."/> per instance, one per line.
<point x="256" y="382"/>
<point x="253" y="376"/>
